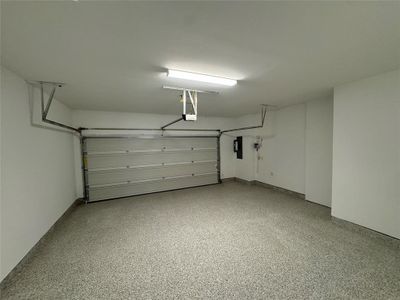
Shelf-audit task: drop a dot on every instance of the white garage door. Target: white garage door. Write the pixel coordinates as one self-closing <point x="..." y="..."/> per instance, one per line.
<point x="124" y="166"/>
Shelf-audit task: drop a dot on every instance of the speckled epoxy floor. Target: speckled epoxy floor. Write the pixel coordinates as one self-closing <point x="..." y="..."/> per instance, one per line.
<point x="228" y="241"/>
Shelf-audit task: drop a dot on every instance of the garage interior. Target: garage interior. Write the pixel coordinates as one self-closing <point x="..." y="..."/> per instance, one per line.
<point x="213" y="150"/>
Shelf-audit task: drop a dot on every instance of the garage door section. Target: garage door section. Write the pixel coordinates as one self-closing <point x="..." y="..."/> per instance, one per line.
<point x="121" y="167"/>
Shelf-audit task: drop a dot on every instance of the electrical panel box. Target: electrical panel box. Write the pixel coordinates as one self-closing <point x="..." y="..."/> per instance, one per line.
<point x="238" y="147"/>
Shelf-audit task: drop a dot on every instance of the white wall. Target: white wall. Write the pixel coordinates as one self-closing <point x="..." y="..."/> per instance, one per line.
<point x="246" y="168"/>
<point x="90" y="119"/>
<point x="366" y="153"/>
<point x="37" y="170"/>
<point x="319" y="131"/>
<point x="283" y="153"/>
<point x="281" y="159"/>
<point x="296" y="152"/>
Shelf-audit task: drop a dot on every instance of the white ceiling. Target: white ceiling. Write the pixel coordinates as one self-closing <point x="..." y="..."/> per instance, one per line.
<point x="113" y="55"/>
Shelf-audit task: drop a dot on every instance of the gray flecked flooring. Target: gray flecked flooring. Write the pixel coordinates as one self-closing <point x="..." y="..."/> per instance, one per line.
<point x="228" y="241"/>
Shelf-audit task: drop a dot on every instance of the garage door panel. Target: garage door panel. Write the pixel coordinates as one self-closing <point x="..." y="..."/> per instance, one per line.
<point x="144" y="173"/>
<point x="132" y="189"/>
<point x="148" y="158"/>
<point x="120" y="167"/>
<point x="132" y="144"/>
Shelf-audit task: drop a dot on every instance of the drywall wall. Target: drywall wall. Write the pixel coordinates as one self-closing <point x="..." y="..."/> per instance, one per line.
<point x="90" y="119"/>
<point x="366" y="153"/>
<point x="282" y="156"/>
<point x="318" y="164"/>
<point x="296" y="152"/>
<point x="246" y="167"/>
<point x="37" y="169"/>
<point x="281" y="159"/>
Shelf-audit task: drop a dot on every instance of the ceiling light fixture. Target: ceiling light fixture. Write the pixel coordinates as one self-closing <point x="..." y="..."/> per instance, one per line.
<point x="201" y="77"/>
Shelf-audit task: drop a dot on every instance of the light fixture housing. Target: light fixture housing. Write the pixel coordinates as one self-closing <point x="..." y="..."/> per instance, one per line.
<point x="201" y="77"/>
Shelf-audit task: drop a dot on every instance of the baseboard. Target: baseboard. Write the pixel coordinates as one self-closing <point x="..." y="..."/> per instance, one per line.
<point x="389" y="240"/>
<point x="323" y="205"/>
<point x="266" y="185"/>
<point x="248" y="182"/>
<point x="280" y="189"/>
<point x="227" y="179"/>
<point x="230" y="179"/>
<point x="16" y="270"/>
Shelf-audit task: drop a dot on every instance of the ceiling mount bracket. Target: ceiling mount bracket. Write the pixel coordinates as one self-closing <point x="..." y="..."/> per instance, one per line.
<point x="192" y="95"/>
<point x="46" y="105"/>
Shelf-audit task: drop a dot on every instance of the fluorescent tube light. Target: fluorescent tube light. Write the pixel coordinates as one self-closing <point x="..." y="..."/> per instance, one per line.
<point x="201" y="77"/>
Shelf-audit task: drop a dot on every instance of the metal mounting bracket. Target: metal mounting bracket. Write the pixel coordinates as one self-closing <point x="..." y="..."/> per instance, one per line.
<point x="46" y="105"/>
<point x="192" y="95"/>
